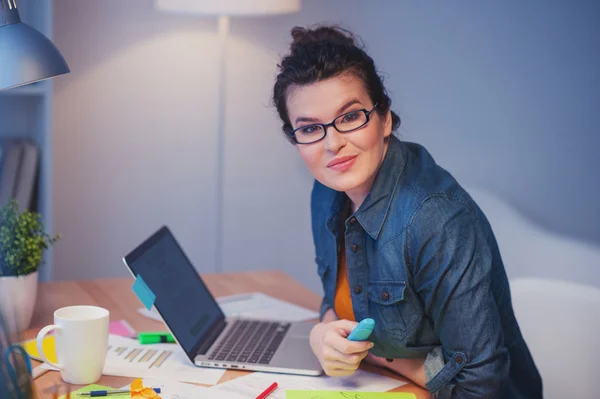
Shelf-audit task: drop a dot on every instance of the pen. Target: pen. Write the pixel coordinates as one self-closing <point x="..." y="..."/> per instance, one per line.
<point x="267" y="391"/>
<point x="155" y="338"/>
<point x="111" y="392"/>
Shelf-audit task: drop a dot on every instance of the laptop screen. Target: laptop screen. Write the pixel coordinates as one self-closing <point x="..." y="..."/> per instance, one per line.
<point x="182" y="298"/>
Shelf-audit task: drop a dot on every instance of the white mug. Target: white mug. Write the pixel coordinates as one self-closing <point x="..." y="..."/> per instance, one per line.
<point x="81" y="340"/>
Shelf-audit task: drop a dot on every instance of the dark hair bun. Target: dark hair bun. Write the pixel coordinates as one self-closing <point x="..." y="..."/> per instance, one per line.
<point x="333" y="34"/>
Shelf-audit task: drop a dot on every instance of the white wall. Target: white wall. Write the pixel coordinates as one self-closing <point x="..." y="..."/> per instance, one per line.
<point x="504" y="95"/>
<point x="134" y="134"/>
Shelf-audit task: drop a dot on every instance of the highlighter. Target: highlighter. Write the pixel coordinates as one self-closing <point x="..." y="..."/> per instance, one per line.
<point x="155" y="338"/>
<point x="363" y="330"/>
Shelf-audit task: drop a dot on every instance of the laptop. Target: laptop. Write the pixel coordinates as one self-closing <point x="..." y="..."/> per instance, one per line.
<point x="199" y="326"/>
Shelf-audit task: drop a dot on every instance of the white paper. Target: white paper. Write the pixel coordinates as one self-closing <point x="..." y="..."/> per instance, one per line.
<point x="253" y="306"/>
<point x="170" y="389"/>
<point x="151" y="314"/>
<point x="128" y="358"/>
<point x="251" y="385"/>
<point x="261" y="306"/>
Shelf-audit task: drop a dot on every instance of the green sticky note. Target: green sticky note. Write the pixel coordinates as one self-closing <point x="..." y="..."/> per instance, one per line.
<point x="95" y="387"/>
<point x="347" y="395"/>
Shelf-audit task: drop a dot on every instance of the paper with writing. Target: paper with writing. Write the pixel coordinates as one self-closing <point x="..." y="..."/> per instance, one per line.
<point x="128" y="358"/>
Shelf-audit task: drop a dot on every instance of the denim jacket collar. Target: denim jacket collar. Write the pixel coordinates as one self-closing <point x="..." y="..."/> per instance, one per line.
<point x="374" y="209"/>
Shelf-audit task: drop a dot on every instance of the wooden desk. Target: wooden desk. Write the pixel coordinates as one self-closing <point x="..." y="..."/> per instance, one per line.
<point x="116" y="296"/>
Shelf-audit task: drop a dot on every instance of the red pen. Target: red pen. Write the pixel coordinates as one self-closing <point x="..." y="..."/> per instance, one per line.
<point x="267" y="391"/>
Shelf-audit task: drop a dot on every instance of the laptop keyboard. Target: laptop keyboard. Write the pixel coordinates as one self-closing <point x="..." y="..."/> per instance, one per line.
<point x="250" y="341"/>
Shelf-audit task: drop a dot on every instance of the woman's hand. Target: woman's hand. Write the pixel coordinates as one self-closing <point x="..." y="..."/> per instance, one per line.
<point x="338" y="356"/>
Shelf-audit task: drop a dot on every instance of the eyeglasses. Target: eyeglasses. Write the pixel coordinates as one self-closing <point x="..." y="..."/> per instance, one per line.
<point x="344" y="123"/>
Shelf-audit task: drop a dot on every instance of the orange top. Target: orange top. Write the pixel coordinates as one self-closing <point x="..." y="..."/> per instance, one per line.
<point x="342" y="301"/>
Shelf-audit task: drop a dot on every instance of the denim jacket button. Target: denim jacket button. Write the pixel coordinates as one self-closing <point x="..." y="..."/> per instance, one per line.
<point x="385" y="295"/>
<point x="458" y="359"/>
<point x="354" y="248"/>
<point x="357" y="289"/>
<point x="352" y="220"/>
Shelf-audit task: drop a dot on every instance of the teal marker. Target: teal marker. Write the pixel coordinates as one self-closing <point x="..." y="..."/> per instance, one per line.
<point x="363" y="330"/>
<point x="155" y="338"/>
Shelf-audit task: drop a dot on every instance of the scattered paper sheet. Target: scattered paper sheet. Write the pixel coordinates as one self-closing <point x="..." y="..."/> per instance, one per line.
<point x="251" y="385"/>
<point x="128" y="358"/>
<point x="170" y="389"/>
<point x="151" y="314"/>
<point x="347" y="395"/>
<point x="255" y="306"/>
<point x="261" y="306"/>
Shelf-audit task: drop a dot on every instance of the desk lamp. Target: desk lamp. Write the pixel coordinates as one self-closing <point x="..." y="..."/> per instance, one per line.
<point x="26" y="55"/>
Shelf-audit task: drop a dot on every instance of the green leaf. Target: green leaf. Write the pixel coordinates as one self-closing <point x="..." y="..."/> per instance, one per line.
<point x="22" y="240"/>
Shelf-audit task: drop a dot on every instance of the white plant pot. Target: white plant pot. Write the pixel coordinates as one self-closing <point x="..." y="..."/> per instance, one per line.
<point x="17" y="300"/>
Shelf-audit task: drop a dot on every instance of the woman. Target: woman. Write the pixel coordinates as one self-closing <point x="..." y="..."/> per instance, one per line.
<point x="396" y="238"/>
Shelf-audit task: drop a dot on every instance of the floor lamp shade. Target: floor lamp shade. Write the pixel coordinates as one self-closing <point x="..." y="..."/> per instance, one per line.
<point x="229" y="7"/>
<point x="26" y="55"/>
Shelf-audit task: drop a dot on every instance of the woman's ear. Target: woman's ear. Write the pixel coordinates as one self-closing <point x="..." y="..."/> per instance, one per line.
<point x="387" y="124"/>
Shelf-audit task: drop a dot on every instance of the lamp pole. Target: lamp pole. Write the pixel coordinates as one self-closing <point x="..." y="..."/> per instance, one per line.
<point x="223" y="36"/>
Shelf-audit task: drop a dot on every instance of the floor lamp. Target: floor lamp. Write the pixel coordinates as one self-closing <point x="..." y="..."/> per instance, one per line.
<point x="224" y="9"/>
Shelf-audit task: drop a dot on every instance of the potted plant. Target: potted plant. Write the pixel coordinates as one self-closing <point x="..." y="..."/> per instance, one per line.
<point x="22" y="244"/>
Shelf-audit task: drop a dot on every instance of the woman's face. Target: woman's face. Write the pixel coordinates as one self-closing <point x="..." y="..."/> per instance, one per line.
<point x="345" y="162"/>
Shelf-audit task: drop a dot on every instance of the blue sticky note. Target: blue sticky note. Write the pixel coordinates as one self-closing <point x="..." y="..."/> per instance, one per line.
<point x="143" y="292"/>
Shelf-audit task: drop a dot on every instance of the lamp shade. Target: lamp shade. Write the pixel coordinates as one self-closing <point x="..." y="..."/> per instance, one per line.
<point x="26" y="55"/>
<point x="229" y="7"/>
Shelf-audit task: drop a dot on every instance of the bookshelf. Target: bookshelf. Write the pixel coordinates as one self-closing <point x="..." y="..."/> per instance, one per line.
<point x="25" y="112"/>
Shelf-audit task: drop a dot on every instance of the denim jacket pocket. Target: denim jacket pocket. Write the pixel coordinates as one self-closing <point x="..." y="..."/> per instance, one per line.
<point x="392" y="309"/>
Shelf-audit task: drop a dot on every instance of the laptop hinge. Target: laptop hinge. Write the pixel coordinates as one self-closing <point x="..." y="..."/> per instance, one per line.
<point x="211" y="336"/>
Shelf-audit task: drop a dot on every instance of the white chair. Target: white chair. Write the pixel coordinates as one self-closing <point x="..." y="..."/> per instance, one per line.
<point x="529" y="250"/>
<point x="560" y="322"/>
<point x="555" y="284"/>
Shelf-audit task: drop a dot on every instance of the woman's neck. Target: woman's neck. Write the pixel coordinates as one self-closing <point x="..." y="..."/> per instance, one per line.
<point x="359" y="194"/>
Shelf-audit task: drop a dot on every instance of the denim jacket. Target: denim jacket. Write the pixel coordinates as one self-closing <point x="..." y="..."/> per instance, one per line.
<point x="424" y="264"/>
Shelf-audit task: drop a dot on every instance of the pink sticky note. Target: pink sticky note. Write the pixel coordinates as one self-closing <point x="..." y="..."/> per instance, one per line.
<point x="122" y="328"/>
